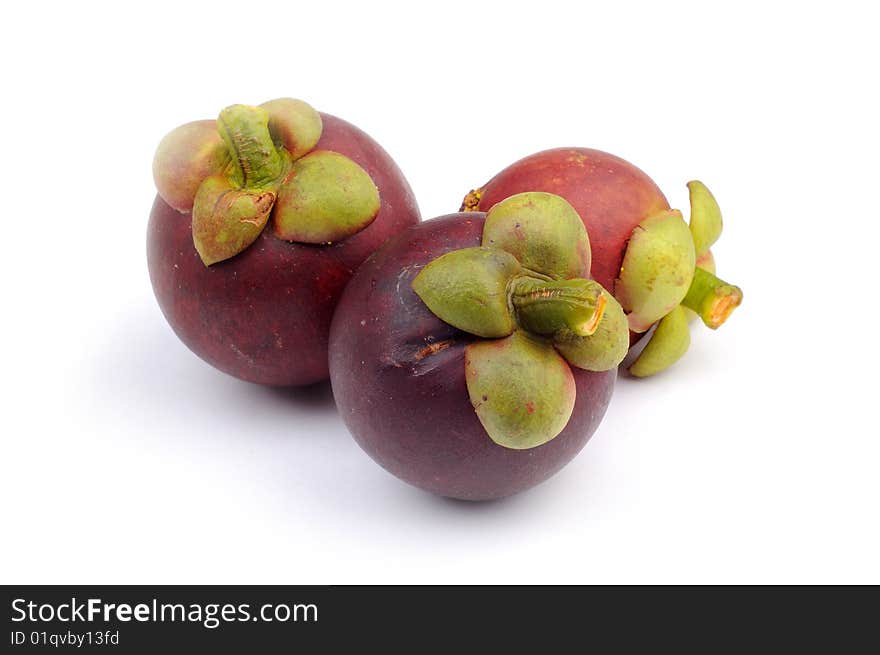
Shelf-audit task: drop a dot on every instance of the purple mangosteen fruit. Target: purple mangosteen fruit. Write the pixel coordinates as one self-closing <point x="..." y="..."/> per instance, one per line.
<point x="473" y="356"/>
<point x="260" y="220"/>
<point x="658" y="267"/>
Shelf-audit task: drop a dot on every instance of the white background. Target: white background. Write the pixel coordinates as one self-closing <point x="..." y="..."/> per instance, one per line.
<point x="125" y="459"/>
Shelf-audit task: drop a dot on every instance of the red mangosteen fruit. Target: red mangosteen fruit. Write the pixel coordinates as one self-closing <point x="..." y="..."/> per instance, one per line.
<point x="260" y="220"/>
<point x="472" y="356"/>
<point x="658" y="267"/>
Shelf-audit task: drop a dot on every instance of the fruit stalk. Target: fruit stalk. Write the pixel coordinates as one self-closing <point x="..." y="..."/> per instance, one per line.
<point x="711" y="298"/>
<point x="256" y="162"/>
<point x="547" y="306"/>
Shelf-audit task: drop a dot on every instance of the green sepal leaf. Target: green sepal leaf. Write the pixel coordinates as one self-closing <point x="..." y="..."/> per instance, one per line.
<point x="294" y="124"/>
<point x="605" y="348"/>
<point x="706" y="221"/>
<point x="657" y="269"/>
<point x="522" y="390"/>
<point x="184" y="158"/>
<point x="227" y="219"/>
<point x="325" y="198"/>
<point x="467" y="288"/>
<point x="668" y="344"/>
<point x="543" y="231"/>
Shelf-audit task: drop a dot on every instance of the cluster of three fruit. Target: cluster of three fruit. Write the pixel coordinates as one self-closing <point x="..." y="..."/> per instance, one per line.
<point x="472" y="355"/>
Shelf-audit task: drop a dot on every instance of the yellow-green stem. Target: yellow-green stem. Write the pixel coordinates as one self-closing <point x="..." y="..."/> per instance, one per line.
<point x="545" y="307"/>
<point x="256" y="161"/>
<point x="711" y="298"/>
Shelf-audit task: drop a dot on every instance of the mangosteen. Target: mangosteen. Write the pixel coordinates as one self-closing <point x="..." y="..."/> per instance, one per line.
<point x="658" y="267"/>
<point x="473" y="356"/>
<point x="261" y="218"/>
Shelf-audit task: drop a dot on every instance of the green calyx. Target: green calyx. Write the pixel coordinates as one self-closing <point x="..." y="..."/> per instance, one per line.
<point x="663" y="252"/>
<point x="525" y="290"/>
<point x="657" y="269"/>
<point x="254" y="164"/>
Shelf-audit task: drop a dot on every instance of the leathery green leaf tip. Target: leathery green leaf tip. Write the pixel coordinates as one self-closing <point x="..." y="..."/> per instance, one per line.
<point x="521" y="389"/>
<point x="184" y="158"/>
<point x="705" y="224"/>
<point x="467" y="288"/>
<point x="293" y="124"/>
<point x="668" y="344"/>
<point x="325" y="198"/>
<point x="657" y="269"/>
<point x="226" y="219"/>
<point x="543" y="231"/>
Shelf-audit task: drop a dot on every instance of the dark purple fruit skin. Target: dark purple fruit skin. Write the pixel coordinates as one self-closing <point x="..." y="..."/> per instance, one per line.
<point x="398" y="378"/>
<point x="264" y="315"/>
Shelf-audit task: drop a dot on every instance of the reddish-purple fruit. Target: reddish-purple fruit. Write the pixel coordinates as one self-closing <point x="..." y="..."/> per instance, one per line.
<point x="261" y="218"/>
<point x="658" y="267"/>
<point x="493" y="398"/>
